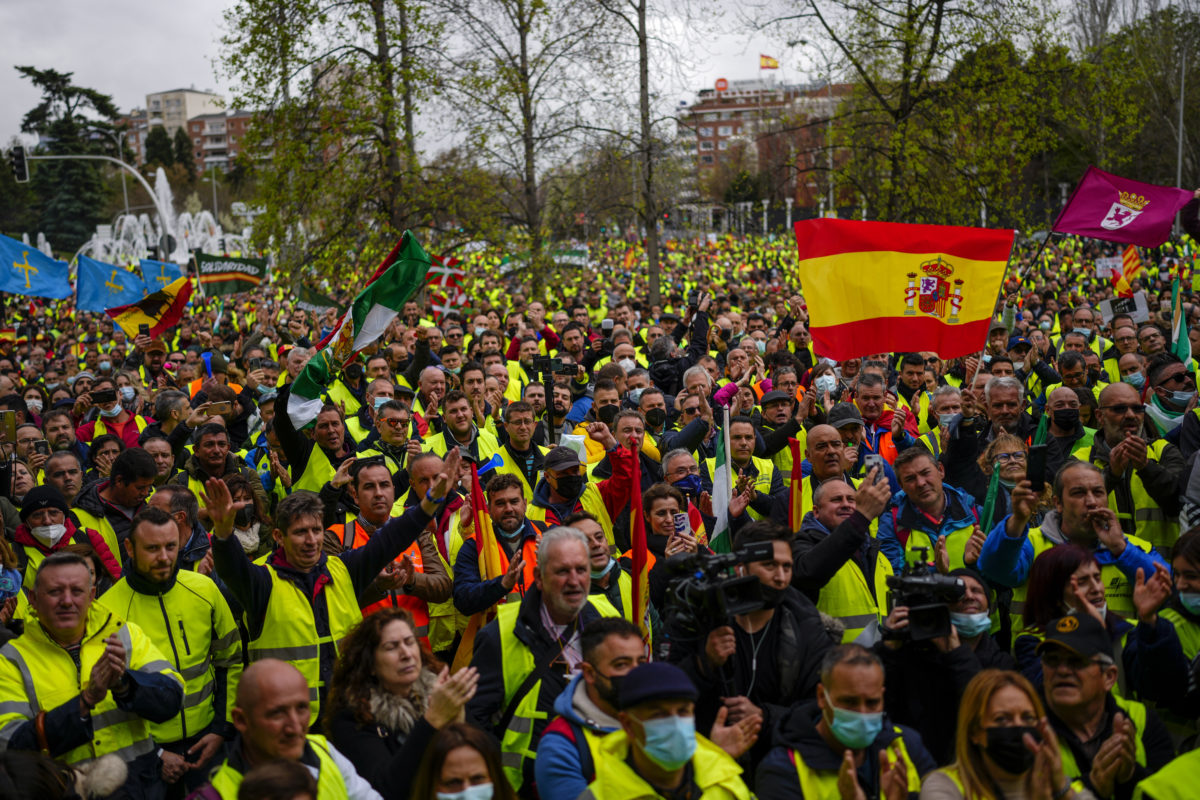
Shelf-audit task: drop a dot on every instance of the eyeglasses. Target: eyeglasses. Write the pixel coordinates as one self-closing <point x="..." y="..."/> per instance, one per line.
<point x="1179" y="376"/>
<point x="1004" y="458"/>
<point x="1122" y="408"/>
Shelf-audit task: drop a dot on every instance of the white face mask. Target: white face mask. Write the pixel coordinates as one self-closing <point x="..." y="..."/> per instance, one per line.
<point x="1102" y="608"/>
<point x="480" y="791"/>
<point x="34" y="405"/>
<point x="48" y="535"/>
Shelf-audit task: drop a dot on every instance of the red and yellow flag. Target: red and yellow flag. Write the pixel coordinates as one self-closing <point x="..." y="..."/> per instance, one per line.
<point x="493" y="563"/>
<point x="640" y="572"/>
<point x="161" y="310"/>
<point x="767" y="62"/>
<point x="796" y="487"/>
<point x="876" y="287"/>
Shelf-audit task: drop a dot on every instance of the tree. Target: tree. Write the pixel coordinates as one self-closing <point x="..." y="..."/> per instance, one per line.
<point x="520" y="79"/>
<point x="159" y="152"/>
<point x="184" y="155"/>
<point x="334" y="147"/>
<point x="71" y="120"/>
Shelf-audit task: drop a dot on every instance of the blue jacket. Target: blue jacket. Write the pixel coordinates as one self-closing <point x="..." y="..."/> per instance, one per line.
<point x="559" y="767"/>
<point x="472" y="594"/>
<point x="960" y="512"/>
<point x="1006" y="561"/>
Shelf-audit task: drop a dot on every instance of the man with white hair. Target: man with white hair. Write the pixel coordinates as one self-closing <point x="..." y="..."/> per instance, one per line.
<point x="526" y="655"/>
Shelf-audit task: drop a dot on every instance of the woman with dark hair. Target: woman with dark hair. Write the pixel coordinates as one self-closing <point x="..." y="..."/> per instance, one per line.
<point x="104" y="451"/>
<point x="388" y="696"/>
<point x="36" y="402"/>
<point x="462" y="763"/>
<point x="250" y="524"/>
<point x="1065" y="579"/>
<point x="278" y="780"/>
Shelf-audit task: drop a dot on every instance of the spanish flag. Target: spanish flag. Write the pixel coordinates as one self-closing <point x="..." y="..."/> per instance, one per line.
<point x="876" y="287"/>
<point x="640" y="572"/>
<point x="493" y="563"/>
<point x="161" y="310"/>
<point x="767" y="62"/>
<point x="796" y="487"/>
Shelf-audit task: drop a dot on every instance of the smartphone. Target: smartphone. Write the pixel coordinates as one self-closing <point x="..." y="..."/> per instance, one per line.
<point x="104" y="396"/>
<point x="143" y="329"/>
<point x="871" y="461"/>
<point x="41" y="447"/>
<point x="224" y="407"/>
<point x="683" y="525"/>
<point x="8" y="426"/>
<point x="255" y="363"/>
<point x="1035" y="468"/>
<point x="607" y="326"/>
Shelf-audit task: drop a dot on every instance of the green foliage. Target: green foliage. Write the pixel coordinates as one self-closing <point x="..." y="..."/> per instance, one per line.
<point x="184" y="155"/>
<point x="71" y="120"/>
<point x="159" y="152"/>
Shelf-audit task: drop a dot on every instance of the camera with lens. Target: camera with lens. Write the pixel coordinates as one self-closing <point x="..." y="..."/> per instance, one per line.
<point x="928" y="596"/>
<point x="552" y="366"/>
<point x="706" y="594"/>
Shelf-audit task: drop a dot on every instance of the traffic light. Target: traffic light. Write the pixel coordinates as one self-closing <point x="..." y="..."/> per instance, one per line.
<point x="20" y="167"/>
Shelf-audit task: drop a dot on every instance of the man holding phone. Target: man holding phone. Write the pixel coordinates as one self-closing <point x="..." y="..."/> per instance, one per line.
<point x="112" y="415"/>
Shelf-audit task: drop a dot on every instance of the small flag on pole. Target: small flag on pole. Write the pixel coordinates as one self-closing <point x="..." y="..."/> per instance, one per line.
<point x="1116" y="209"/>
<point x="721" y="540"/>
<point x="767" y="62"/>
<point x="161" y="310"/>
<point x="640" y="572"/>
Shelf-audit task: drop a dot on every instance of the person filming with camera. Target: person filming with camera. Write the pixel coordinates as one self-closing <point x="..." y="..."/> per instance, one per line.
<point x="759" y="662"/>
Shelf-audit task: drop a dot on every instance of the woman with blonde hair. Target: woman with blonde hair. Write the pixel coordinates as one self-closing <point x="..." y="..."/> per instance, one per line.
<point x="1005" y="748"/>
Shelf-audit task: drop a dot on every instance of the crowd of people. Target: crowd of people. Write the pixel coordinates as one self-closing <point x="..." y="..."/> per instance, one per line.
<point x="967" y="578"/>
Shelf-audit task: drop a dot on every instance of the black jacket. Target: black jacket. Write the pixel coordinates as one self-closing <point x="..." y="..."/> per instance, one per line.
<point x="819" y="553"/>
<point x="386" y="759"/>
<point x="668" y="375"/>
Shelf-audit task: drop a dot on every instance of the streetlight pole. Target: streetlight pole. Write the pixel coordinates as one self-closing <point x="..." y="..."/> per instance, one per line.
<point x="213" y="178"/>
<point x="1179" y="128"/>
<point x="120" y="136"/>
<point x="765" y="203"/>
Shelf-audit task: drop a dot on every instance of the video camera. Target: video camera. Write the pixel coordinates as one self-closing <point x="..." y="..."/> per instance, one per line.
<point x="706" y="594"/>
<point x="552" y="366"/>
<point x="928" y="596"/>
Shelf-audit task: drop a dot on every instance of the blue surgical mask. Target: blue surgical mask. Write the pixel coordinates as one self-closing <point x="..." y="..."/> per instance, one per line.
<point x="670" y="741"/>
<point x="1190" y="601"/>
<point x="1087" y="332"/>
<point x="689" y="484"/>
<point x="944" y="420"/>
<point x="381" y="400"/>
<point x="127" y="394"/>
<point x="612" y="562"/>
<point x="480" y="331"/>
<point x="105" y="365"/>
<point x="854" y="729"/>
<point x="115" y="411"/>
<point x="480" y="791"/>
<point x="762" y="345"/>
<point x="825" y="383"/>
<point x="634" y="395"/>
<point x="970" y="625"/>
<point x="1181" y="398"/>
<point x="1137" y="380"/>
<point x="1046" y="325"/>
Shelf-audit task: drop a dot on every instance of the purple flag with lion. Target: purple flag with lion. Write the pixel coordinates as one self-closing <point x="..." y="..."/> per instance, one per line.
<point x="1116" y="209"/>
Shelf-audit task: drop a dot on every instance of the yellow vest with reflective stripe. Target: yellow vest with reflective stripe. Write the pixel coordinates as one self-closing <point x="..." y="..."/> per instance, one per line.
<point x="330" y="784"/>
<point x="592" y="502"/>
<point x="1175" y="781"/>
<point x="103" y="527"/>
<point x="1149" y="520"/>
<point x="924" y="400"/>
<point x="193" y="625"/>
<point x="37" y="674"/>
<point x="849" y="597"/>
<point x="517" y="663"/>
<point x="1137" y="715"/>
<point x="511" y="467"/>
<point x="317" y="472"/>
<point x="716" y="774"/>
<point x="100" y="429"/>
<point x="289" y="630"/>
<point x="821" y="784"/>
<point x="956" y="544"/>
<point x="762" y="481"/>
<point x="338" y="392"/>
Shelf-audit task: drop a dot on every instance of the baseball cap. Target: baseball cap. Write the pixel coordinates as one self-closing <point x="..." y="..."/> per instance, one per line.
<point x="562" y="458"/>
<point x="1018" y="341"/>
<point x="402" y="389"/>
<point x="997" y="325"/>
<point x="656" y="680"/>
<point x="1081" y="633"/>
<point x="774" y="396"/>
<point x="843" y="414"/>
<point x="156" y="346"/>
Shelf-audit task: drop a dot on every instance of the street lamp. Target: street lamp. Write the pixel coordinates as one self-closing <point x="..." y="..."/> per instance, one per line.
<point x="765" y="204"/>
<point x="120" y="139"/>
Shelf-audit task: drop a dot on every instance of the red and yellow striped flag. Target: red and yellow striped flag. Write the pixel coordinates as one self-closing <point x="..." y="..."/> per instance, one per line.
<point x="640" y="572"/>
<point x="767" y="62"/>
<point x="875" y="287"/>
<point x="493" y="563"/>
<point x="796" y="487"/>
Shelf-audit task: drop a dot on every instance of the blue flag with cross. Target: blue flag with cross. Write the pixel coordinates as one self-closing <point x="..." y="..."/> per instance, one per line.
<point x="103" y="286"/>
<point x="159" y="274"/>
<point x="27" y="271"/>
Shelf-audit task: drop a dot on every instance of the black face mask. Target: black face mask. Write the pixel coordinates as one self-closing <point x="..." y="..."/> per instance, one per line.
<point x="1066" y="418"/>
<point x="1006" y="746"/>
<point x="609" y="688"/>
<point x="607" y="414"/>
<point x="656" y="417"/>
<point x="570" y="486"/>
<point x="772" y="597"/>
<point x="354" y="371"/>
<point x="244" y="517"/>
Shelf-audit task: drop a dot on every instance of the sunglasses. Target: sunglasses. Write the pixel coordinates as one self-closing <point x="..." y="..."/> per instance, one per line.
<point x="692" y="410"/>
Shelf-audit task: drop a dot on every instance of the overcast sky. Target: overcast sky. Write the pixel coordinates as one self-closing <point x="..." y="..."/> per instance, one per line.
<point x="128" y="48"/>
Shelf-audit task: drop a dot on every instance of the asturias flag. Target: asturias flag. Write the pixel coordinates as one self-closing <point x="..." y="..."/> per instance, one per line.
<point x="101" y="286"/>
<point x="158" y="274"/>
<point x="27" y="271"/>
<point x="1116" y="209"/>
<point x="161" y="310"/>
<point x="875" y="287"/>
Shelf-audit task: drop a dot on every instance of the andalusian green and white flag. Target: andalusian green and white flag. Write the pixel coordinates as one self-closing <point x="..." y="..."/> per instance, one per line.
<point x="721" y="541"/>
<point x="1181" y="342"/>
<point x="398" y="278"/>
